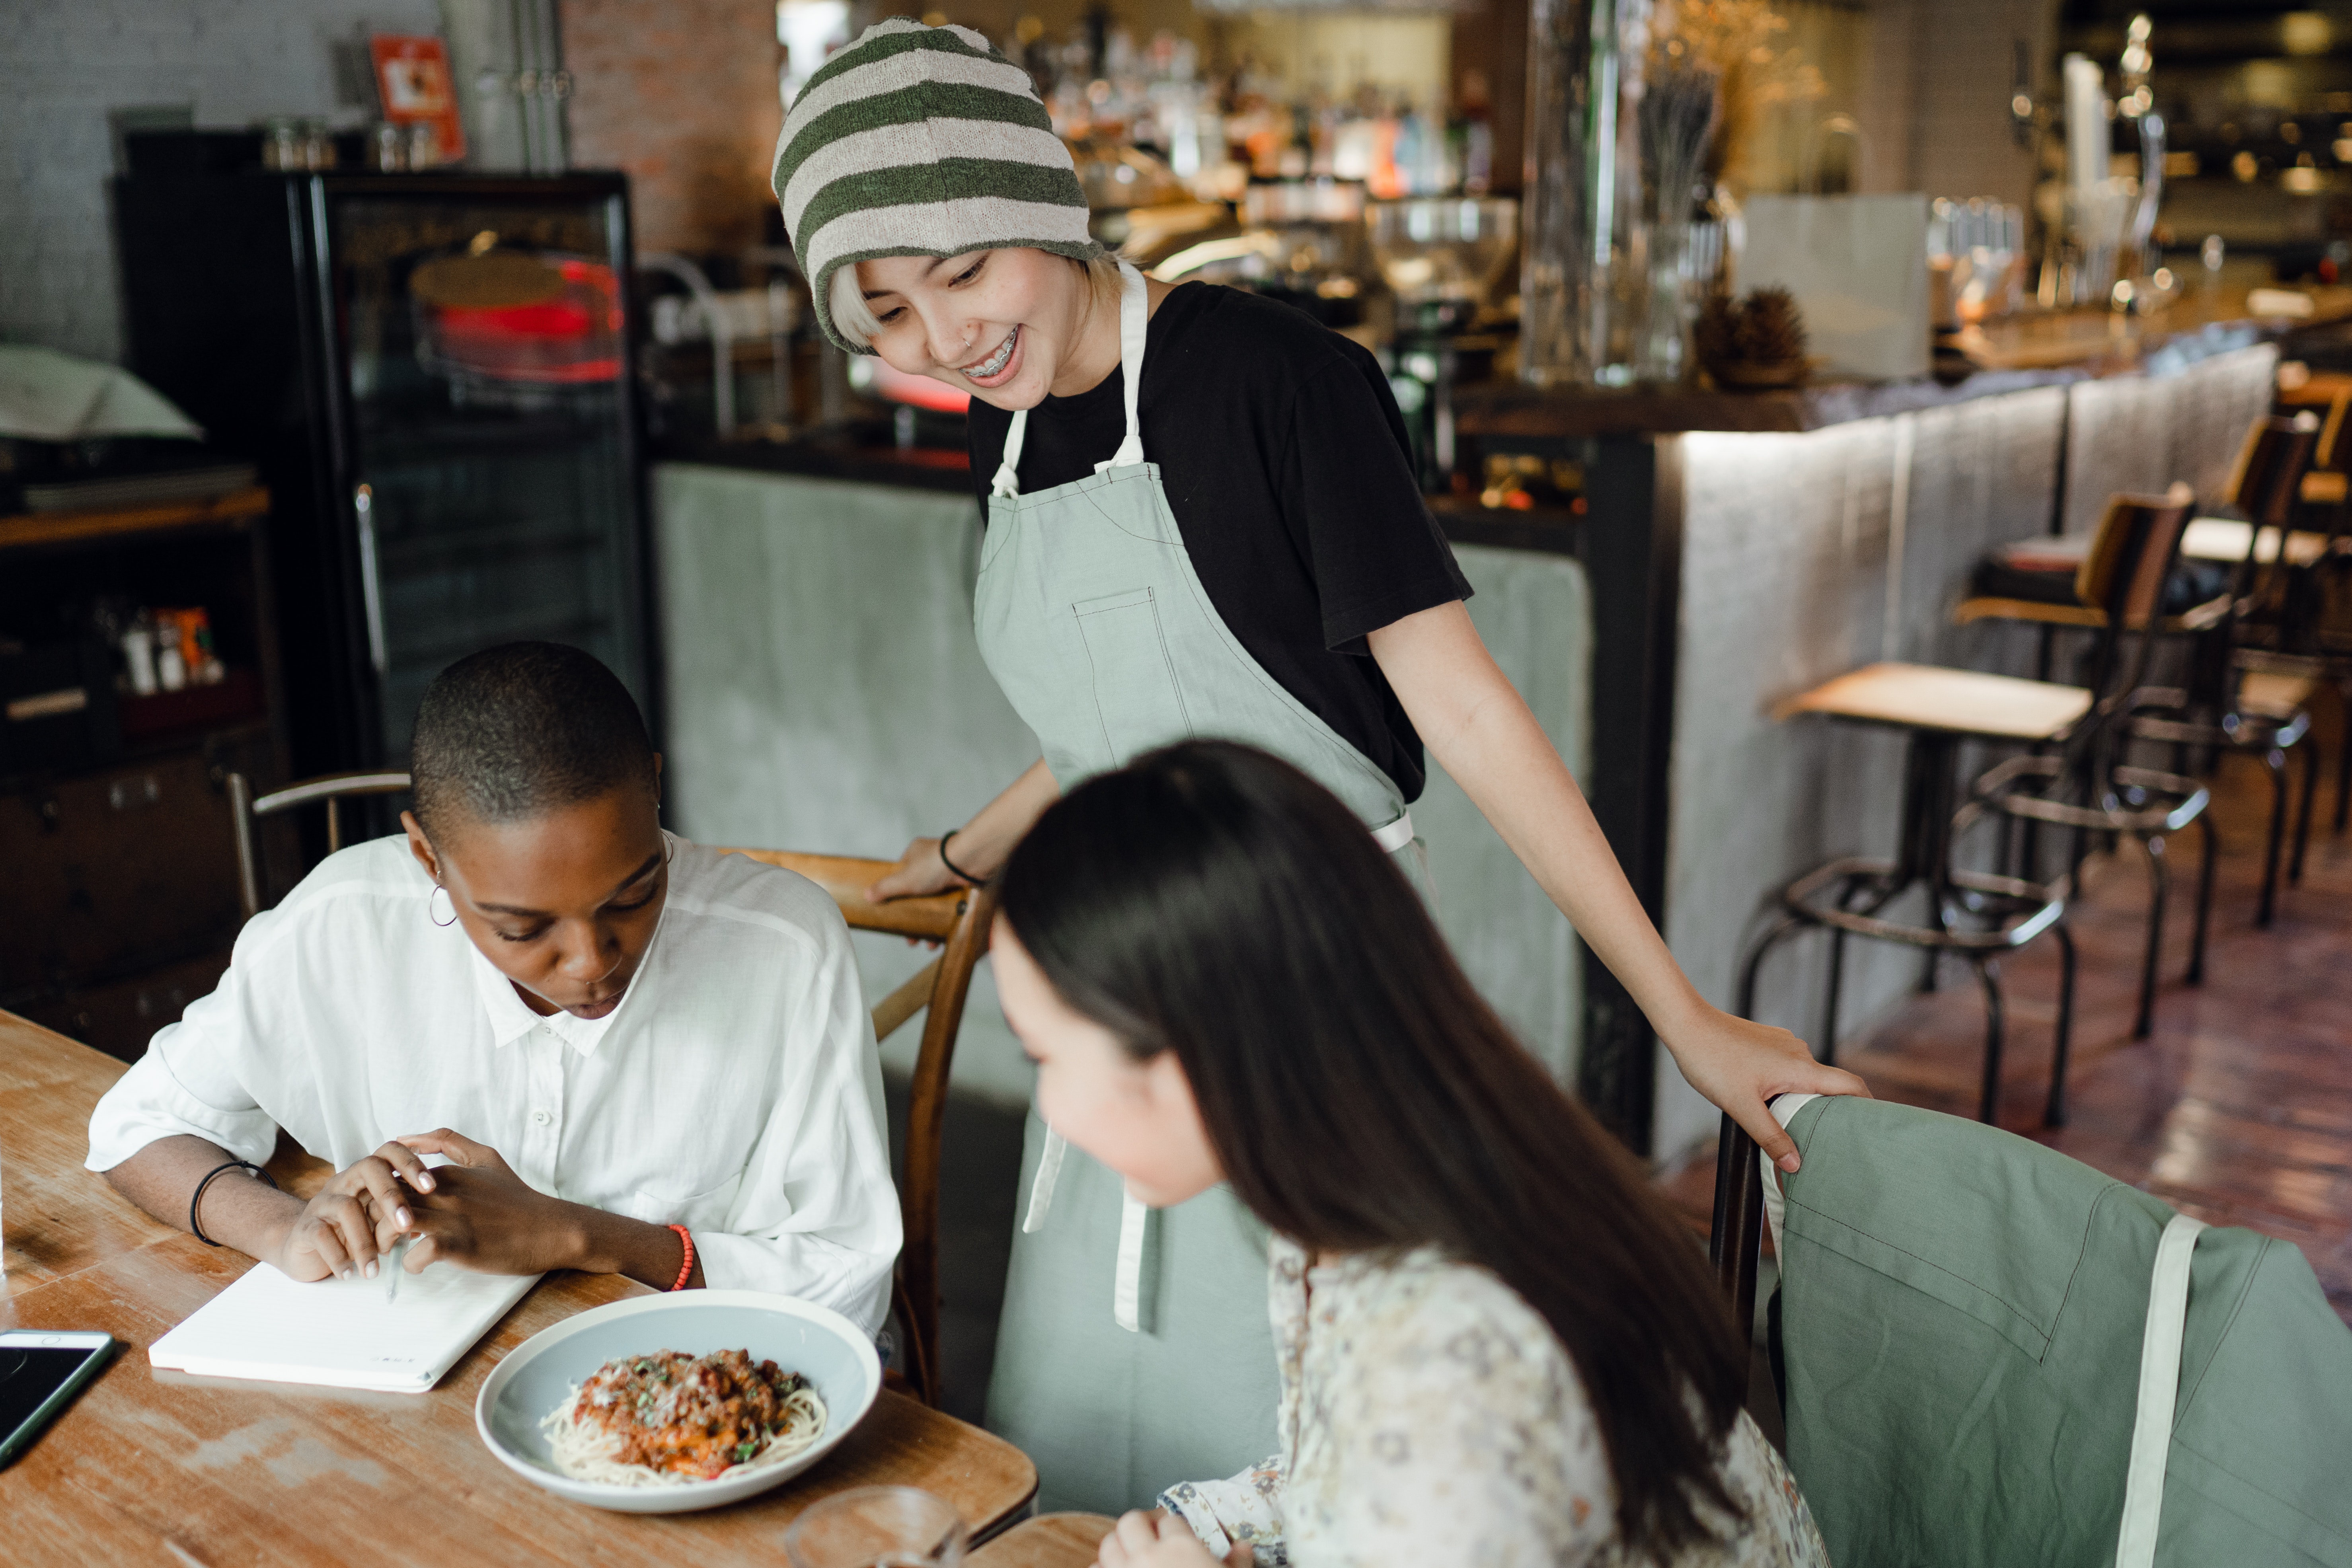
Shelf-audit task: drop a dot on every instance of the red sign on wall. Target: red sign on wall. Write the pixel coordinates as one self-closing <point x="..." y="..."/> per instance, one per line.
<point x="412" y="76"/>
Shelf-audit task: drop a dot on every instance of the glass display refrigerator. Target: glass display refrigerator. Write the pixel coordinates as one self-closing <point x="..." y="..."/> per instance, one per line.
<point x="434" y="373"/>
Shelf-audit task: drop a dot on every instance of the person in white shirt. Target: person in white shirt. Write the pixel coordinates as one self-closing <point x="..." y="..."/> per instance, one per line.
<point x="636" y="1055"/>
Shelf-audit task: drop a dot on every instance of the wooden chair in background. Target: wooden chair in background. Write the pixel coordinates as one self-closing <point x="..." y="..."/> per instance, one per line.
<point x="958" y="921"/>
<point x="246" y="814"/>
<point x="2223" y="706"/>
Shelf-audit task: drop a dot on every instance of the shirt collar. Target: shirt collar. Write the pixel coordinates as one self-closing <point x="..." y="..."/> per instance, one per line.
<point x="510" y="1017"/>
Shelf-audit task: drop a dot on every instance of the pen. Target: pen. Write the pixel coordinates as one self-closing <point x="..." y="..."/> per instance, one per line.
<point x="392" y="1268"/>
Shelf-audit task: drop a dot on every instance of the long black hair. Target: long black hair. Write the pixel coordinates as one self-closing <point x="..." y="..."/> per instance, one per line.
<point x="1212" y="900"/>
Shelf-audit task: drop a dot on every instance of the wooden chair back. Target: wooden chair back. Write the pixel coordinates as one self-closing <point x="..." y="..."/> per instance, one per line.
<point x="2329" y="452"/>
<point x="2267" y="478"/>
<point x="959" y="921"/>
<point x="331" y="789"/>
<point x="2123" y="578"/>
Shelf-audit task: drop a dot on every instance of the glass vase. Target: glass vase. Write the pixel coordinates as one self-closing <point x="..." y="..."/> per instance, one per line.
<point x="1618" y="122"/>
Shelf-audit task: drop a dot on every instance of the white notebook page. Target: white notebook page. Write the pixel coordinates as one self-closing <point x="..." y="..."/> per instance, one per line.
<point x="341" y="1333"/>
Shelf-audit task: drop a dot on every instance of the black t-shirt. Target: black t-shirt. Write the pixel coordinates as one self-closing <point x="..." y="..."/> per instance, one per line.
<point x="1284" y="461"/>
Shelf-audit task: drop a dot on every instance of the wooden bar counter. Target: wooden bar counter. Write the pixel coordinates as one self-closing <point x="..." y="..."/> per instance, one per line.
<point x="154" y="1466"/>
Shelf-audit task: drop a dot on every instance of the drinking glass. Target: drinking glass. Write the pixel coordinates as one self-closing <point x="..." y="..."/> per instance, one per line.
<point x="877" y="1527"/>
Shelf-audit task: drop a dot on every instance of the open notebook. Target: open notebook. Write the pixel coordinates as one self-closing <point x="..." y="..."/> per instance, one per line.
<point x="341" y="1333"/>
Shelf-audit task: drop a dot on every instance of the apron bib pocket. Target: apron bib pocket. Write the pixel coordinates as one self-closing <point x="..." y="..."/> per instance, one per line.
<point x="1136" y="691"/>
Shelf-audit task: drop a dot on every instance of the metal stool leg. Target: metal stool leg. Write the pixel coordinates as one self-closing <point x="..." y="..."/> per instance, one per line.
<point x="2054" y="1113"/>
<point x="1989" y="1102"/>
<point x="2160" y="873"/>
<point x="2275" y="763"/>
<point x="2342" y="753"/>
<point x="2310" y="750"/>
<point x="1829" y="1039"/>
<point x="2196" y="975"/>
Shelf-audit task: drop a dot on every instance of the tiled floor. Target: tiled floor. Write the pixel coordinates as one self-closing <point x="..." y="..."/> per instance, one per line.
<point x="2238" y="1108"/>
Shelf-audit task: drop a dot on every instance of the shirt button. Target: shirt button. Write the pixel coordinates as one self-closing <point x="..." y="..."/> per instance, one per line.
<point x="541" y="1118"/>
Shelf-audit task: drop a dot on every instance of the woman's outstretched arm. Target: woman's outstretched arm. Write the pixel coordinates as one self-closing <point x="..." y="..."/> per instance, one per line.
<point x="1478" y="727"/>
<point x="982" y="845"/>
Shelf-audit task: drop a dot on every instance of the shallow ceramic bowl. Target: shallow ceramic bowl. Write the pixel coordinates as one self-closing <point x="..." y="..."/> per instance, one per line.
<point x="816" y="1342"/>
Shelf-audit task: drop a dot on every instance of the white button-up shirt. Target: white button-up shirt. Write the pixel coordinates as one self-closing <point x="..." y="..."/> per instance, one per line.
<point x="735" y="1090"/>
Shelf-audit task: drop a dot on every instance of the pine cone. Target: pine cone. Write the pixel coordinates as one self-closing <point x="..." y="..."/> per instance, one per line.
<point x="1771" y="329"/>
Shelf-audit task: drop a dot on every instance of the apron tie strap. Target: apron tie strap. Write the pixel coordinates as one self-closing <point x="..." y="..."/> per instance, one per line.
<point x="2159" y="1392"/>
<point x="1006" y="485"/>
<point x="1396" y="835"/>
<point x="1126" y="1287"/>
<point x="1041" y="1190"/>
<point x="1134" y="325"/>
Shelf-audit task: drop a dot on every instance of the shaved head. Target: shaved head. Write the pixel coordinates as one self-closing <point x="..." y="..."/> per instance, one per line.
<point x="515" y="731"/>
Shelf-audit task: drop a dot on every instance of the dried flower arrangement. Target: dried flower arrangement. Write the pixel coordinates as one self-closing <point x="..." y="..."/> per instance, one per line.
<point x="1738" y="44"/>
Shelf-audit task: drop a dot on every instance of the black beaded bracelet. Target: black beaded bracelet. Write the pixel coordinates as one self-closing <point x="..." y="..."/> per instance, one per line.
<point x="198" y="1231"/>
<point x="954" y="870"/>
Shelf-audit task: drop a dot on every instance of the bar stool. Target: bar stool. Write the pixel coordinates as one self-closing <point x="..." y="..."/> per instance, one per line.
<point x="1938" y="709"/>
<point x="2089" y="785"/>
<point x="2225" y="706"/>
<point x="1977" y="915"/>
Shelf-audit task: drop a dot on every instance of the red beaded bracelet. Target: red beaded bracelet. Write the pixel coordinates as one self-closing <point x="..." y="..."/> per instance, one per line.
<point x="685" y="1270"/>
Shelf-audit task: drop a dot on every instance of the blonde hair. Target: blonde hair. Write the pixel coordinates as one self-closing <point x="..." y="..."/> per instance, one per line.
<point x="845" y="298"/>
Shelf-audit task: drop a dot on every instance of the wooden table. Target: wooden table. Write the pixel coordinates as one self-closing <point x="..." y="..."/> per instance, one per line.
<point x="1049" y="1540"/>
<point x="157" y="1467"/>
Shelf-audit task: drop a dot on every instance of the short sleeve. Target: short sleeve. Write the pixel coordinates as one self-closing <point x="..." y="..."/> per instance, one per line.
<point x="1460" y="1435"/>
<point x="197" y="1077"/>
<point x="1347" y="487"/>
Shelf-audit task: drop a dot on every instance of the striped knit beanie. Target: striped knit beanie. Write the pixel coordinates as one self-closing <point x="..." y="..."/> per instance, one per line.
<point x="920" y="141"/>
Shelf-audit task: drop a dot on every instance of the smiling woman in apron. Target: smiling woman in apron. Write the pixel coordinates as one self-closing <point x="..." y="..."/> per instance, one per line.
<point x="1201" y="521"/>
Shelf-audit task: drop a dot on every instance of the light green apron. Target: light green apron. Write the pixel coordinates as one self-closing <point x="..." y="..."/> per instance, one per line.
<point x="1134" y="1350"/>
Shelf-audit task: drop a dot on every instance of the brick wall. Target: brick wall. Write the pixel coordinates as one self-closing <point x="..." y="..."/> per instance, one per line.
<point x="682" y="94"/>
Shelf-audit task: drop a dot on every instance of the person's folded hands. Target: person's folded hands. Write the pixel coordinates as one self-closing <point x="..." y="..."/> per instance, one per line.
<point x="352" y="1221"/>
<point x="480" y="1215"/>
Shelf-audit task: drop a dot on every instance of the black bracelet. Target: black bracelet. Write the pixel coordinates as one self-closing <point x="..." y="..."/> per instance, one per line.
<point x="954" y="870"/>
<point x="198" y="1231"/>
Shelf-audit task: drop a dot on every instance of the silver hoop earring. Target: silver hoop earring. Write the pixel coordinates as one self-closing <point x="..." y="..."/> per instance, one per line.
<point x="437" y="887"/>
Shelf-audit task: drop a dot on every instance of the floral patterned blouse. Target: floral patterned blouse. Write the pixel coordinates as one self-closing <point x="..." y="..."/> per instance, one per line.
<point x="1430" y="1417"/>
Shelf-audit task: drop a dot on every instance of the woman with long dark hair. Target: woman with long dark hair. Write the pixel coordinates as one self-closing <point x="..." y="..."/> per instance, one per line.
<point x="1495" y="1344"/>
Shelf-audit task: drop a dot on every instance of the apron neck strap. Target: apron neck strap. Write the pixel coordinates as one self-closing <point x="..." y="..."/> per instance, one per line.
<point x="1134" y="324"/>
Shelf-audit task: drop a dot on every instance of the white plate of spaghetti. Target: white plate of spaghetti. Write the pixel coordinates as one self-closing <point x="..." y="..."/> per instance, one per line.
<point x="666" y="1403"/>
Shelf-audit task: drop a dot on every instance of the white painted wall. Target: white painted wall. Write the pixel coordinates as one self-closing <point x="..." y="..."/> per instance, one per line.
<point x="64" y="64"/>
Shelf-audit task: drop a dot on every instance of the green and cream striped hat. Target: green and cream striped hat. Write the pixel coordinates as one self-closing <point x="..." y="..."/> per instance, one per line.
<point x="920" y="141"/>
